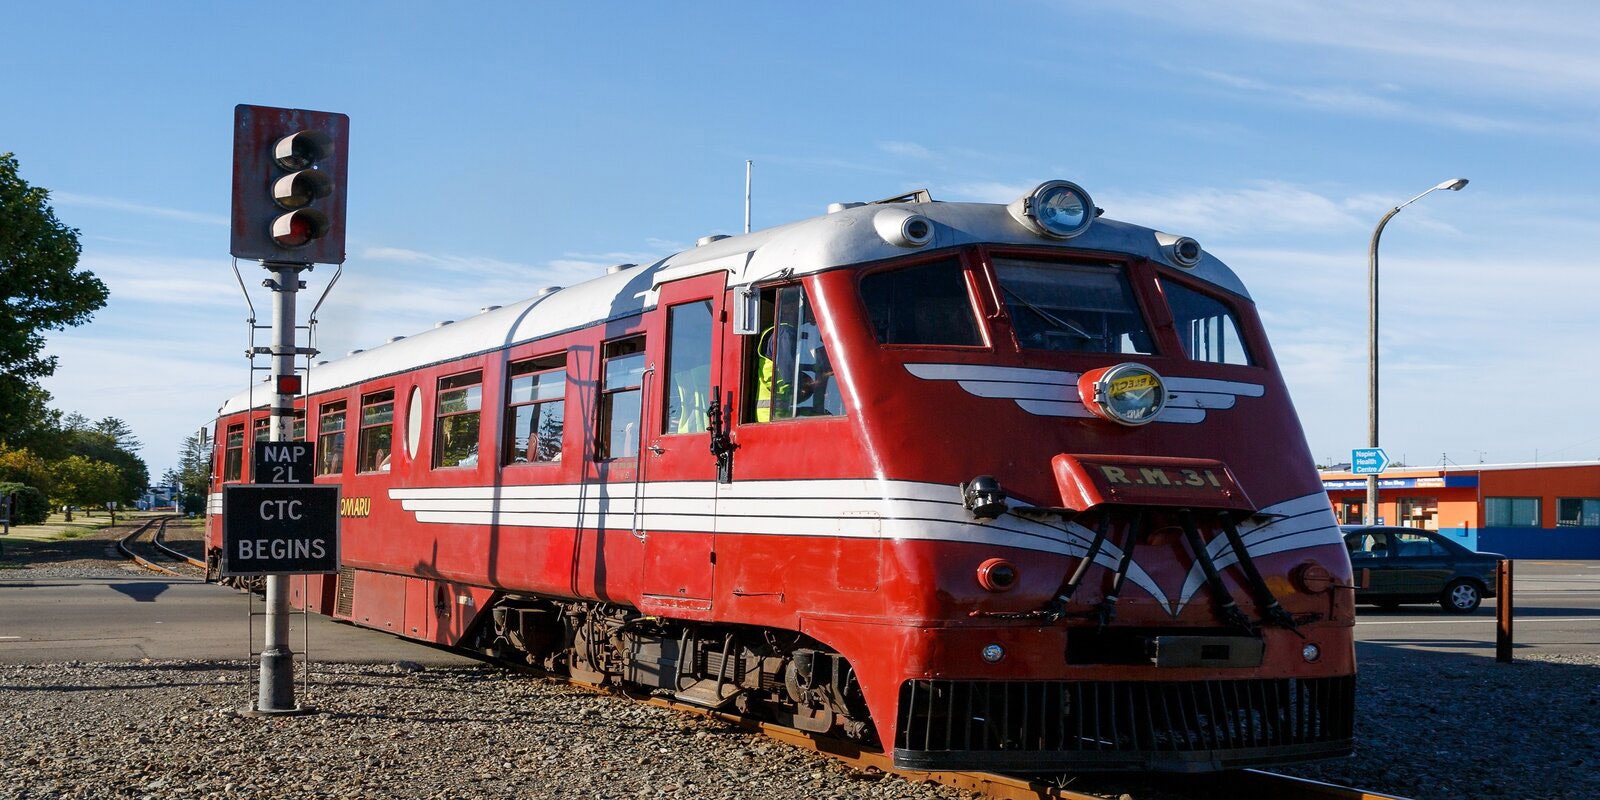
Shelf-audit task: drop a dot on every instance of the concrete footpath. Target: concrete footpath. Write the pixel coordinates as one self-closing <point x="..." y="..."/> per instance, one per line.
<point x="52" y="616"/>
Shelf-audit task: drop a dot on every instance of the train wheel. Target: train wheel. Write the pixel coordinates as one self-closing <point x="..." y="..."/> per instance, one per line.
<point x="1461" y="597"/>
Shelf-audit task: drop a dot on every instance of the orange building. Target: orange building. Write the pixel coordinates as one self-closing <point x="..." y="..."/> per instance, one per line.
<point x="1519" y="510"/>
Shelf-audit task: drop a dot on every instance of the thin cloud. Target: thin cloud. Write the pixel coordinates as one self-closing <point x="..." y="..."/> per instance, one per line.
<point x="905" y="149"/>
<point x="116" y="204"/>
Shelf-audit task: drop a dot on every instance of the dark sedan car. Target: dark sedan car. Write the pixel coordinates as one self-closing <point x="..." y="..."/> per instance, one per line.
<point x="1411" y="565"/>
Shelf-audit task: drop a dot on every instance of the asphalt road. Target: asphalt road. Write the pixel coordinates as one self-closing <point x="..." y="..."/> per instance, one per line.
<point x="44" y="620"/>
<point x="1556" y="610"/>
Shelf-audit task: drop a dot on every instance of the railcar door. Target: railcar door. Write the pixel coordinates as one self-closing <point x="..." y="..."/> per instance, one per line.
<point x="677" y="499"/>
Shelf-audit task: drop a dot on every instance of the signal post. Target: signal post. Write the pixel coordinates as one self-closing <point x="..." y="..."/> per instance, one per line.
<point x="289" y="168"/>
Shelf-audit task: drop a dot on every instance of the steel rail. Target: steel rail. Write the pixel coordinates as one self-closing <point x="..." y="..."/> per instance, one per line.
<point x="161" y="545"/>
<point x="122" y="544"/>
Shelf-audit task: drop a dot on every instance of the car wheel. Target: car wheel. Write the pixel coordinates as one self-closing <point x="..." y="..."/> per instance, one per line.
<point x="1461" y="597"/>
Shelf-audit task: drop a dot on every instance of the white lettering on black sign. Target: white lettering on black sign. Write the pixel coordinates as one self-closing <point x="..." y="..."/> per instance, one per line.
<point x="280" y="530"/>
<point x="284" y="462"/>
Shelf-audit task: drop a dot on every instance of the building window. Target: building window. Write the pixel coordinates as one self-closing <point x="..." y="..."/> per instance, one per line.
<point x="617" y="434"/>
<point x="789" y="373"/>
<point x="233" y="454"/>
<point x="376" y="443"/>
<point x="1418" y="512"/>
<point x="1206" y="327"/>
<point x="1085" y="308"/>
<point x="688" y="368"/>
<point x="455" y="430"/>
<point x="1511" y="512"/>
<point x="535" y="406"/>
<point x="1577" y="512"/>
<point x="330" y="439"/>
<point x="924" y="304"/>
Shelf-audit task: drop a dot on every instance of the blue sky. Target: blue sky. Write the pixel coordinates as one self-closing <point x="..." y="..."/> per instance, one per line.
<point x="499" y="148"/>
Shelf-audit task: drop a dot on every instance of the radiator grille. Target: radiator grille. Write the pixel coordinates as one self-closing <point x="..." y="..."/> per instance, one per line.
<point x="344" y="606"/>
<point x="1045" y="724"/>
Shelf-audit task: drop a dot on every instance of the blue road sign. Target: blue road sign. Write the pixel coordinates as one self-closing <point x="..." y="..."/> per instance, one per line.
<point x="1368" y="461"/>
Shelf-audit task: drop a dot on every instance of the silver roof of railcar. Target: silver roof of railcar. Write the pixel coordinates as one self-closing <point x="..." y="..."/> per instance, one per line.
<point x="842" y="238"/>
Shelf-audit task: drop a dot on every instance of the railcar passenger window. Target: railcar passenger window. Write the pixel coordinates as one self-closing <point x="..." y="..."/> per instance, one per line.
<point x="535" y="407"/>
<point x="455" y="430"/>
<point x="330" y="439"/>
<point x="617" y="434"/>
<point x="924" y="304"/>
<point x="1206" y="327"/>
<point x="233" y="454"/>
<point x="688" y="368"/>
<point x="788" y="372"/>
<point x="1086" y="308"/>
<point x="376" y="443"/>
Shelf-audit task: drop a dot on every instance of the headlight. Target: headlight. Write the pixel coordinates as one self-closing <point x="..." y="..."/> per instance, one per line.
<point x="993" y="653"/>
<point x="1058" y="209"/>
<point x="1311" y="653"/>
<point x="1131" y="394"/>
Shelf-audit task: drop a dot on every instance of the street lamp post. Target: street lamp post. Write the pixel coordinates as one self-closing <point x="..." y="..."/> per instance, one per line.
<point x="1454" y="185"/>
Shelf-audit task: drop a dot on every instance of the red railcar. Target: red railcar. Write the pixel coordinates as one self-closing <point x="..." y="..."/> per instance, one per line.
<point x="993" y="487"/>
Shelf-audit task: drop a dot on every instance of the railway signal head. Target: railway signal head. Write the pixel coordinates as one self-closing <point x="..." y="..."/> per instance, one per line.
<point x="289" y="169"/>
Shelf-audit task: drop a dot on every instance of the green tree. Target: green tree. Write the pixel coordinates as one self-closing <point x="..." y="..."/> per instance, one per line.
<point x="193" y="475"/>
<point x="41" y="289"/>
<point x="19" y="465"/>
<point x="81" y="481"/>
<point x="93" y="441"/>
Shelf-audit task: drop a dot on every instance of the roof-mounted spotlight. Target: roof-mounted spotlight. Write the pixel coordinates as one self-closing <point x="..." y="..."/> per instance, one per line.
<point x="1057" y="209"/>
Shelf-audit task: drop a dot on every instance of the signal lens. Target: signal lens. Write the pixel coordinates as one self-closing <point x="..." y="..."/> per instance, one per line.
<point x="300" y="150"/>
<point x="299" y="228"/>
<point x="301" y="189"/>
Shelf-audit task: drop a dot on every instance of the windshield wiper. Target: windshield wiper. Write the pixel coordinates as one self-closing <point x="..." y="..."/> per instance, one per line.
<point x="1049" y="317"/>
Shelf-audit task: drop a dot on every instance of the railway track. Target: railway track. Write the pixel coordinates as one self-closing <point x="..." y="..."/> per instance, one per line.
<point x="185" y="563"/>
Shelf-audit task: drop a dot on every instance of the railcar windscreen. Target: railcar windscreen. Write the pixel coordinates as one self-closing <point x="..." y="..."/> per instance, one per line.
<point x="1206" y="327"/>
<point x="1072" y="307"/>
<point x="922" y="304"/>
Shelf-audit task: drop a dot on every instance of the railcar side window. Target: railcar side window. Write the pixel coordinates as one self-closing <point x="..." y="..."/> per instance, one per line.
<point x="617" y="434"/>
<point x="455" y="430"/>
<point x="924" y="304"/>
<point x="688" y="368"/>
<point x="1085" y="308"/>
<point x="1206" y="327"/>
<point x="788" y="371"/>
<point x="376" y="442"/>
<point x="233" y="454"/>
<point x="535" y="409"/>
<point x="330" y="439"/>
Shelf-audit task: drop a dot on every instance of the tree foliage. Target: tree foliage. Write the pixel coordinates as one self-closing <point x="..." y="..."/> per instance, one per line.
<point x="193" y="475"/>
<point x="41" y="287"/>
<point x="85" y="482"/>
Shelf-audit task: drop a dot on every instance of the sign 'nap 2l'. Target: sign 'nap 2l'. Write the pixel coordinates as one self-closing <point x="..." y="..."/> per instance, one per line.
<point x="280" y="529"/>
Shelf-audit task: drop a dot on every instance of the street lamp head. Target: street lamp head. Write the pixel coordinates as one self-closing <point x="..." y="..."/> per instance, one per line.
<point x="1454" y="184"/>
